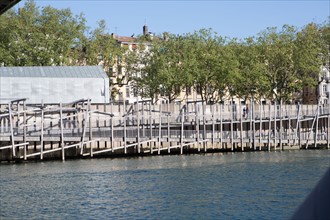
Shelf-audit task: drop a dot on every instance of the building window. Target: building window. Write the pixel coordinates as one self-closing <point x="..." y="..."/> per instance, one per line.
<point x="324" y="89"/>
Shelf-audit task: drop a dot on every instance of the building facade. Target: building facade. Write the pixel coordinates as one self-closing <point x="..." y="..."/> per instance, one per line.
<point x="320" y="93"/>
<point x="125" y="91"/>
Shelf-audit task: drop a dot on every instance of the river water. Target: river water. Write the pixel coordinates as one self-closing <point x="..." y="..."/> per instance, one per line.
<point x="250" y="185"/>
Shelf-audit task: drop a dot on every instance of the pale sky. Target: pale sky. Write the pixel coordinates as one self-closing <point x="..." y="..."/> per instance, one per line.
<point x="228" y="18"/>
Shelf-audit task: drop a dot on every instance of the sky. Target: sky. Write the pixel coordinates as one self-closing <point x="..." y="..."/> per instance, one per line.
<point x="234" y="18"/>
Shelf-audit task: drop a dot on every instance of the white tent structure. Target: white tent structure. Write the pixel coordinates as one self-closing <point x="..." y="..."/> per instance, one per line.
<point x="54" y="84"/>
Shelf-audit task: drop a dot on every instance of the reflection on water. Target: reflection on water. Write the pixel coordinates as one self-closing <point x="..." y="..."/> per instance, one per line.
<point x="254" y="185"/>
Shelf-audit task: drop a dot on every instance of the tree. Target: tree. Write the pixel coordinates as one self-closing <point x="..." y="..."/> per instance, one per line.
<point x="250" y="79"/>
<point x="209" y="67"/>
<point x="161" y="69"/>
<point x="278" y="54"/>
<point x="310" y="54"/>
<point x="324" y="31"/>
<point x="40" y="37"/>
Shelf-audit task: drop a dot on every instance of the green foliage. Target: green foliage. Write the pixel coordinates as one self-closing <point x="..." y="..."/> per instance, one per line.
<point x="276" y="64"/>
<point x="278" y="51"/>
<point x="308" y="54"/>
<point x="40" y="37"/>
<point x="250" y="80"/>
<point x="103" y="47"/>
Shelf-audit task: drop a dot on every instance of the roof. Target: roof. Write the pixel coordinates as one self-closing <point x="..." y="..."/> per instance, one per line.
<point x="54" y="71"/>
<point x="125" y="39"/>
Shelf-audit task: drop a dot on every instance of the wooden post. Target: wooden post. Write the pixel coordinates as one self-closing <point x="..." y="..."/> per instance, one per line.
<point x="90" y="127"/>
<point x="112" y="133"/>
<point x="217" y="120"/>
<point x="160" y="125"/>
<point x="62" y="136"/>
<point x="150" y="128"/>
<point x="328" y="128"/>
<point x="84" y="130"/>
<point x="12" y="129"/>
<point x="249" y="115"/>
<point x="24" y="129"/>
<point x="42" y="133"/>
<point x="221" y="107"/>
<point x="197" y="125"/>
<point x="241" y="125"/>
<point x="317" y="124"/>
<point x="125" y="134"/>
<point x="213" y="129"/>
<point x="289" y="125"/>
<point x="269" y="126"/>
<point x="232" y="125"/>
<point x="182" y="127"/>
<point x="138" y="125"/>
<point x="299" y="126"/>
<point x="281" y="129"/>
<point x="168" y="125"/>
<point x="142" y="120"/>
<point x="253" y="125"/>
<point x="275" y="117"/>
<point x="260" y="125"/>
<point x="204" y="125"/>
<point x="314" y="120"/>
<point x="153" y="121"/>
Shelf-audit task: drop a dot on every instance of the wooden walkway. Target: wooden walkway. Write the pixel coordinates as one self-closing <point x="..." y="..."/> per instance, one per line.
<point x="80" y="129"/>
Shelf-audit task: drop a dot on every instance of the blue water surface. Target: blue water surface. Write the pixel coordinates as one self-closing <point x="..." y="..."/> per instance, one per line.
<point x="249" y="185"/>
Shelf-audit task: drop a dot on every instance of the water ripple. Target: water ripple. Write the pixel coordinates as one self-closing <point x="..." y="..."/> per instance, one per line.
<point x="257" y="185"/>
